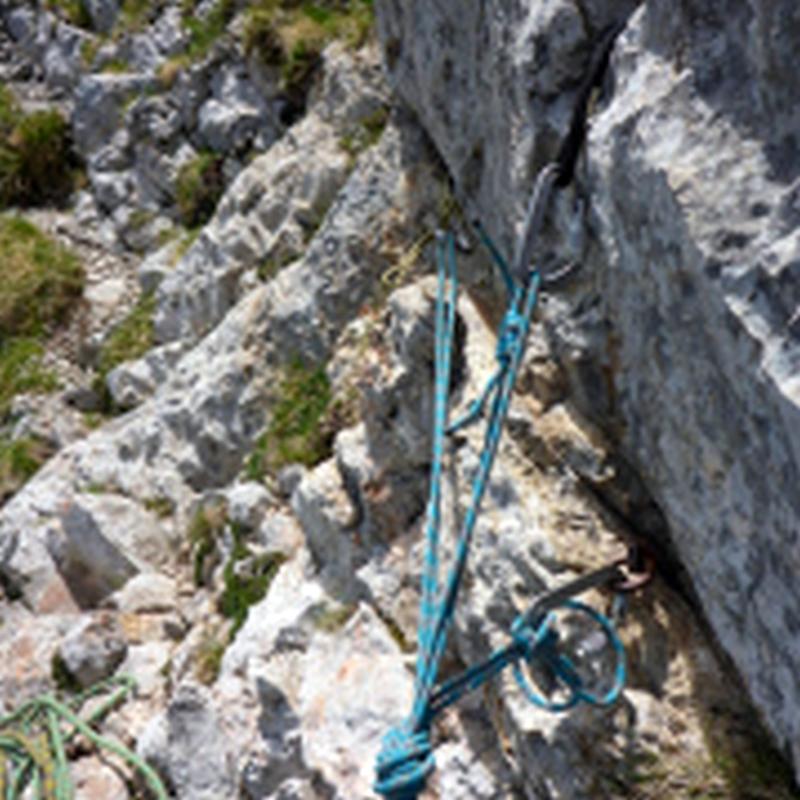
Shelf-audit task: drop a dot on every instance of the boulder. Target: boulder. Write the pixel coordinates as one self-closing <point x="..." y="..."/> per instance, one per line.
<point x="102" y="541"/>
<point x="93" y="649"/>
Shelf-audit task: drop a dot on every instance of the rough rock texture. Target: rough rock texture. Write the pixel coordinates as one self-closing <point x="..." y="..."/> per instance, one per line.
<point x="270" y="619"/>
<point x="679" y="339"/>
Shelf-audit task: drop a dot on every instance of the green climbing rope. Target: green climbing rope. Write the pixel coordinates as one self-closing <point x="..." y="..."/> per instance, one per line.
<point x="34" y="739"/>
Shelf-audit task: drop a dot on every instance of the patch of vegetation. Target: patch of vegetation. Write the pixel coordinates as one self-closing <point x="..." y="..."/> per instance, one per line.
<point x="21" y="370"/>
<point x="198" y="188"/>
<point x="41" y="280"/>
<point x="751" y="766"/>
<point x="89" y="50"/>
<point x="37" y="164"/>
<point x="140" y="218"/>
<point x="116" y="66"/>
<point x="291" y="35"/>
<point x="9" y="111"/>
<point x="101" y="487"/>
<point x="75" y="12"/>
<point x="204" y="31"/>
<point x="64" y="680"/>
<point x="208" y="658"/>
<point x="162" y="507"/>
<point x="205" y="528"/>
<point x="246" y="587"/>
<point x="128" y="340"/>
<point x="312" y="221"/>
<point x="366" y="133"/>
<point x="19" y="460"/>
<point x="331" y="619"/>
<point x="134" y="15"/>
<point x="297" y="433"/>
<point x="168" y="72"/>
<point x="246" y="576"/>
<point x="270" y="267"/>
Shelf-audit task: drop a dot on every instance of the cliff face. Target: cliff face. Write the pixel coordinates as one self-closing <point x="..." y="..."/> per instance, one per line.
<point x="239" y="524"/>
<point x="679" y="335"/>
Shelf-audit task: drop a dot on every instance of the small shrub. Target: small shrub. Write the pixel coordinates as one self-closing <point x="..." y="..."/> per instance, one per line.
<point x="199" y="186"/>
<point x="41" y="280"/>
<point x="36" y="160"/>
<point x="296" y="434"/>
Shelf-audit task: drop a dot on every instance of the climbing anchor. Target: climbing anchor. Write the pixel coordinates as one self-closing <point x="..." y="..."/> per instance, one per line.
<point x="536" y="637"/>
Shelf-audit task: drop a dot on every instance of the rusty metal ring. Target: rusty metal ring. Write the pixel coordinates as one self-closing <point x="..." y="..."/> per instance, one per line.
<point x="635" y="577"/>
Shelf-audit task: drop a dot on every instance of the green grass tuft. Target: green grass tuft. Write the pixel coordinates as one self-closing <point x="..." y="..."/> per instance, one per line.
<point x="244" y="590"/>
<point x="208" y="658"/>
<point x="297" y="433"/>
<point x="270" y="267"/>
<point x="162" y="507"/>
<point x="41" y="280"/>
<point x="129" y="340"/>
<point x="199" y="186"/>
<point x="19" y="460"/>
<point x="135" y="15"/>
<point x="204" y="31"/>
<point x="292" y="35"/>
<point x="331" y="619"/>
<point x="21" y="370"/>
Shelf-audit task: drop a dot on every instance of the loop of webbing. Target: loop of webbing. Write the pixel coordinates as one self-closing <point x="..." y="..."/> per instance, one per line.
<point x="406" y="758"/>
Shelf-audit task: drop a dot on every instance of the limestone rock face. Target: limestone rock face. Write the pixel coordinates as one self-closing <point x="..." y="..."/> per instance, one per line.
<point x="679" y="337"/>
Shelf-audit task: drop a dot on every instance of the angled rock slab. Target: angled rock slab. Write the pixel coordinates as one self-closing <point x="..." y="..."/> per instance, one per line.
<point x="104" y="540"/>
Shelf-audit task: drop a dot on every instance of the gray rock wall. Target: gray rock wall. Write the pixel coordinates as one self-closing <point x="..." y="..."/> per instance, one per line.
<point x="680" y="336"/>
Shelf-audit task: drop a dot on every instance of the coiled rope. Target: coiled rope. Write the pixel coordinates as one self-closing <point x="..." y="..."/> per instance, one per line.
<point x="34" y="740"/>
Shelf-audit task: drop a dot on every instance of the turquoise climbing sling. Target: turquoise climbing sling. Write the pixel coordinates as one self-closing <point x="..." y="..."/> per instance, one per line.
<point x="406" y="758"/>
